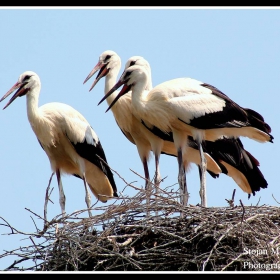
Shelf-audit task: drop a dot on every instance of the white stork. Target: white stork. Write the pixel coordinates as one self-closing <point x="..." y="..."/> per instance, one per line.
<point x="109" y="64"/>
<point x="187" y="107"/>
<point x="69" y="141"/>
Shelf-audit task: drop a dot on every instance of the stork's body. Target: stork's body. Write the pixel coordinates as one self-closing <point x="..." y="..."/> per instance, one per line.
<point x="69" y="141"/>
<point x="187" y="107"/>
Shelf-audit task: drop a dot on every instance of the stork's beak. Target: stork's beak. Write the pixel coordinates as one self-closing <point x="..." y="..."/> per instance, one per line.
<point x="124" y="90"/>
<point x="20" y="92"/>
<point x="102" y="73"/>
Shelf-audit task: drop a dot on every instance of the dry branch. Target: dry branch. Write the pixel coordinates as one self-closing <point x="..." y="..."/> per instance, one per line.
<point x="124" y="238"/>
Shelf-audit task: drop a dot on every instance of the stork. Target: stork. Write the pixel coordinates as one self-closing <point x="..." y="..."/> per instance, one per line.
<point x="228" y="154"/>
<point x="69" y="141"/>
<point x="187" y="107"/>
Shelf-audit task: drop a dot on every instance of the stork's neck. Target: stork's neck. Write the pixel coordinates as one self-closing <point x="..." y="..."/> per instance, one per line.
<point x="110" y="81"/>
<point x="32" y="99"/>
<point x="139" y="98"/>
<point x="148" y="108"/>
<point x="149" y="84"/>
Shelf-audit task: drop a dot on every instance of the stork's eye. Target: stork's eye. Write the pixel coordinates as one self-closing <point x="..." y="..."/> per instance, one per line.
<point x="127" y="74"/>
<point x="26" y="78"/>
<point x="107" y="57"/>
<point x="132" y="63"/>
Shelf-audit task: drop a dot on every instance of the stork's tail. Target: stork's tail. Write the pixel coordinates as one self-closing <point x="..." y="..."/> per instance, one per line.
<point x="257" y="121"/>
<point x="254" y="175"/>
<point x="241" y="165"/>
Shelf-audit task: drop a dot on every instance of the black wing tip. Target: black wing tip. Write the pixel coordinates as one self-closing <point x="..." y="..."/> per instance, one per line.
<point x="213" y="175"/>
<point x="257" y="189"/>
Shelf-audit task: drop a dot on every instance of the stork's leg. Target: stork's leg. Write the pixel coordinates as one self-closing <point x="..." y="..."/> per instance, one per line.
<point x="88" y="197"/>
<point x="184" y="196"/>
<point x="202" y="174"/>
<point x="157" y="173"/>
<point x="157" y="178"/>
<point x="62" y="198"/>
<point x="199" y="171"/>
<point x="148" y="186"/>
<point x="47" y="200"/>
<point x="147" y="175"/>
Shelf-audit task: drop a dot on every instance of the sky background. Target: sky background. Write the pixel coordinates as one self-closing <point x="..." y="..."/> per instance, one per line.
<point x="235" y="49"/>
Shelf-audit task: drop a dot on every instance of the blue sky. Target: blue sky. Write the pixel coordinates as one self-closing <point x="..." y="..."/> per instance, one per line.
<point x="234" y="49"/>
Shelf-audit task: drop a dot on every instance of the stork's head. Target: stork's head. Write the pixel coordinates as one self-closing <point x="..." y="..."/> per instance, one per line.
<point x="26" y="81"/>
<point x="139" y="60"/>
<point x="133" y="76"/>
<point x="108" y="63"/>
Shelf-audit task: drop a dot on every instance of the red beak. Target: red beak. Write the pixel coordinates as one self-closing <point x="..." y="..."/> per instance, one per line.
<point x="102" y="73"/>
<point x="20" y="92"/>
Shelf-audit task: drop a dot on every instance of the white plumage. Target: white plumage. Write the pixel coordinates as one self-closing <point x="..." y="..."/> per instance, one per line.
<point x="69" y="141"/>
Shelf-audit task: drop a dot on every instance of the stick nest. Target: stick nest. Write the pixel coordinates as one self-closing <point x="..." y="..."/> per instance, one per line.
<point x="133" y="235"/>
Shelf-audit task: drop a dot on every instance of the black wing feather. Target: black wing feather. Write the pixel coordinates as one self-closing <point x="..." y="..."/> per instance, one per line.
<point x="232" y="115"/>
<point x="91" y="152"/>
<point x="231" y="151"/>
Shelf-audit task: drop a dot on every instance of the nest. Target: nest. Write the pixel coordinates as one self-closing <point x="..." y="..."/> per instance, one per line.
<point x="132" y="234"/>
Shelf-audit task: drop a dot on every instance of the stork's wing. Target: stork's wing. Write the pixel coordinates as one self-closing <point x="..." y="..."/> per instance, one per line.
<point x="84" y="140"/>
<point x="95" y="154"/>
